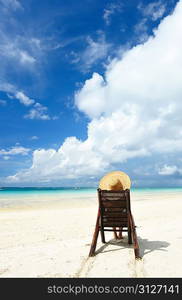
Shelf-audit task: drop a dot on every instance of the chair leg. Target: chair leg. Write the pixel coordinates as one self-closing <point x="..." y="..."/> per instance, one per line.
<point x="135" y="239"/>
<point x="102" y="235"/>
<point x="129" y="235"/>
<point x="95" y="236"/>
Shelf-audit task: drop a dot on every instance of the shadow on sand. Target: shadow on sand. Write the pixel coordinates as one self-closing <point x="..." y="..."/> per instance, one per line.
<point x="121" y="244"/>
<point x="146" y="246"/>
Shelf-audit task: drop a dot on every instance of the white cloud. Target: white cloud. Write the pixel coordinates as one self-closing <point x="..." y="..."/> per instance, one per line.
<point x="16" y="150"/>
<point x="34" y="137"/>
<point x="95" y="51"/>
<point x="141" y="79"/>
<point x="141" y="30"/>
<point x="7" y="87"/>
<point x="154" y="10"/>
<point x="91" y="98"/>
<point x="24" y="99"/>
<point x="14" y="51"/>
<point x="134" y="110"/>
<point x="11" y="4"/>
<point x="61" y="164"/>
<point x="26" y="58"/>
<point x="169" y="170"/>
<point x="110" y="10"/>
<point x="38" y="112"/>
<point x="20" y="55"/>
<point x="141" y="26"/>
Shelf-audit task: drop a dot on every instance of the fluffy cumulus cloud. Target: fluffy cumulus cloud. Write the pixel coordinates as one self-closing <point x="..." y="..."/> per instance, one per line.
<point x="134" y="111"/>
<point x="73" y="159"/>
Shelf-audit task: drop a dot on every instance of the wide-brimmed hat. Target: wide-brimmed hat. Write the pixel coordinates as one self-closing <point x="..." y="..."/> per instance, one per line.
<point x="115" y="180"/>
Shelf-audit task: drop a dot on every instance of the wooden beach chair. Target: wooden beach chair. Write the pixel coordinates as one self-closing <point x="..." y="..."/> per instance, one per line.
<point x="114" y="214"/>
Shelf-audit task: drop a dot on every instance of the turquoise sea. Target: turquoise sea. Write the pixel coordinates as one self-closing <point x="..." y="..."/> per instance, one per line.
<point x="16" y="196"/>
<point x="28" y="196"/>
<point x="43" y="190"/>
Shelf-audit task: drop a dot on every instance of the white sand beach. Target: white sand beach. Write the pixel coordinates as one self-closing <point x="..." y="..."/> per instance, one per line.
<point x="53" y="240"/>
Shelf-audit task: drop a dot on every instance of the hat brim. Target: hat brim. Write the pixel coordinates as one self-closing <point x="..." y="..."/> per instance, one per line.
<point x="104" y="183"/>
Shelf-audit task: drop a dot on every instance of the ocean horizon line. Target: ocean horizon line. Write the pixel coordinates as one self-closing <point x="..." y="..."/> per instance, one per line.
<point x="76" y="187"/>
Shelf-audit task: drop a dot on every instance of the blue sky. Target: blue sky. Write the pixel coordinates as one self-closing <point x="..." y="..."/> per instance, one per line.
<point x="87" y="87"/>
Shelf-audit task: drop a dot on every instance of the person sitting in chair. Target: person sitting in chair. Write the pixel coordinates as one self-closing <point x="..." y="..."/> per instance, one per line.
<point x="115" y="181"/>
<point x="116" y="185"/>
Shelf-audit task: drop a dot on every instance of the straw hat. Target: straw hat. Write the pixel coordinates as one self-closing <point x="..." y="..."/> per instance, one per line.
<point x="115" y="180"/>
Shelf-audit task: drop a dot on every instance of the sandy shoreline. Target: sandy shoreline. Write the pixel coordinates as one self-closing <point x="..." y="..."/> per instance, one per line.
<point x="53" y="240"/>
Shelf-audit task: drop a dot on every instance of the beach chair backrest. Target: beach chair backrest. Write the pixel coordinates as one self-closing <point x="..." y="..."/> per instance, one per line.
<point x="114" y="214"/>
<point x="114" y="208"/>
